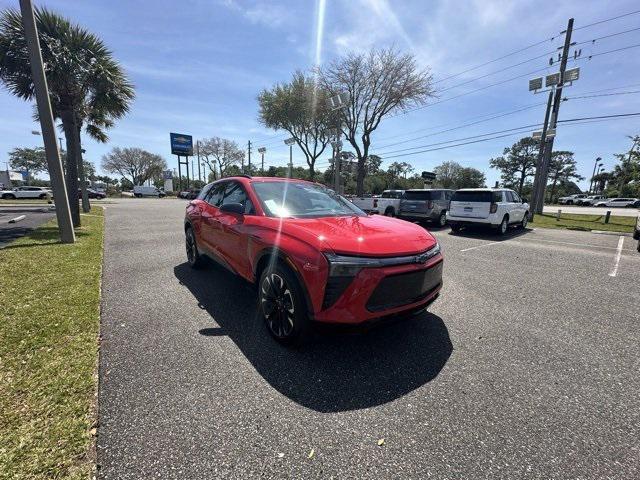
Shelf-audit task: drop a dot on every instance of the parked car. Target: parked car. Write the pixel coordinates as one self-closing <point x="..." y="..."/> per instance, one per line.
<point x="425" y="205"/>
<point x="571" y="199"/>
<point x="147" y="191"/>
<point x="17" y="193"/>
<point x="387" y="204"/>
<point x="315" y="256"/>
<point x="617" y="202"/>
<point x="91" y="193"/>
<point x="497" y="208"/>
<point x="591" y="200"/>
<point x="636" y="231"/>
<point x="189" y="194"/>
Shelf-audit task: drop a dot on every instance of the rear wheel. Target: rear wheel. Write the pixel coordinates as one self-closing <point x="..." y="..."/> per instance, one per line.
<point x="456" y="228"/>
<point x="9" y="196"/>
<point x="442" y="219"/>
<point x="390" y="212"/>
<point x="281" y="303"/>
<point x="194" y="258"/>
<point x="525" y="221"/>
<point x="43" y="196"/>
<point x="504" y="225"/>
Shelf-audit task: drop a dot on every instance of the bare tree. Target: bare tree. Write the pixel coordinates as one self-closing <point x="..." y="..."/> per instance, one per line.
<point x="220" y="152"/>
<point x="300" y="108"/>
<point x="134" y="163"/>
<point x="378" y="84"/>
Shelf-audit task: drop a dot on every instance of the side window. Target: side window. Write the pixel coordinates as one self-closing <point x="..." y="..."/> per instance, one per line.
<point x="516" y="198"/>
<point x="214" y="197"/>
<point x="203" y="193"/>
<point x="235" y="193"/>
<point x="498" y="197"/>
<point x="448" y="194"/>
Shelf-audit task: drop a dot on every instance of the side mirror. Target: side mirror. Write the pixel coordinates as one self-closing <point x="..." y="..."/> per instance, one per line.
<point x="234" y="208"/>
<point x="524" y="200"/>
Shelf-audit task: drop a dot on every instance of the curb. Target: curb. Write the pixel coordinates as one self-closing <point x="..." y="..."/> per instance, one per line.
<point x="617" y="234"/>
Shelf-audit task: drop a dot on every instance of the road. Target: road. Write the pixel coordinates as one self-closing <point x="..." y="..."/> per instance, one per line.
<point x="525" y="367"/>
<point x="625" y="212"/>
<point x="34" y="217"/>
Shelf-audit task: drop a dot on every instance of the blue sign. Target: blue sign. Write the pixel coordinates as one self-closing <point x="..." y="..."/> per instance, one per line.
<point x="25" y="175"/>
<point x="181" y="144"/>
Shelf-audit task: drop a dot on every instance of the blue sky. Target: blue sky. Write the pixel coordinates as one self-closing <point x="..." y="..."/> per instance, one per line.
<point x="199" y="65"/>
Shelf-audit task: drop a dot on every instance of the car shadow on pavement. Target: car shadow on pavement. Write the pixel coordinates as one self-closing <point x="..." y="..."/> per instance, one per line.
<point x="490" y="235"/>
<point x="332" y="372"/>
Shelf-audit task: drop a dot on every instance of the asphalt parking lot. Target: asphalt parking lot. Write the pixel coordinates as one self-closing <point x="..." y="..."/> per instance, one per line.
<point x="34" y="217"/>
<point x="525" y="367"/>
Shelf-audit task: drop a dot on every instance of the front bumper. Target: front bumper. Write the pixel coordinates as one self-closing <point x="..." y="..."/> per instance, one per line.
<point x="381" y="292"/>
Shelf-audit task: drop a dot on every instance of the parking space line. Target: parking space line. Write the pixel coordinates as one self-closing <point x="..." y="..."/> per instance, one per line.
<point x="590" y="245"/>
<point x="479" y="246"/>
<point x="614" y="271"/>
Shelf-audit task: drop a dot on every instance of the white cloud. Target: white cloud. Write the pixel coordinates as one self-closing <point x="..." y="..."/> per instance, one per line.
<point x="261" y="13"/>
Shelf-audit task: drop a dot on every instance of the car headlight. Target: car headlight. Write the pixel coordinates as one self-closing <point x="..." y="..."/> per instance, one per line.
<point x="347" y="266"/>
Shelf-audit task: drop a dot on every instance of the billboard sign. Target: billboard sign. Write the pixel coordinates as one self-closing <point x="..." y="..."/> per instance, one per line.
<point x="428" y="176"/>
<point x="167" y="174"/>
<point x="181" y="144"/>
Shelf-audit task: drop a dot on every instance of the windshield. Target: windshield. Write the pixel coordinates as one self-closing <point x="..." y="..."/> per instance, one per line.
<point x="417" y="195"/>
<point x="302" y="200"/>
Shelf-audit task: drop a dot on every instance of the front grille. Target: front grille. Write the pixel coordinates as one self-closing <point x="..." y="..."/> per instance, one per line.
<point x="334" y="289"/>
<point x="405" y="288"/>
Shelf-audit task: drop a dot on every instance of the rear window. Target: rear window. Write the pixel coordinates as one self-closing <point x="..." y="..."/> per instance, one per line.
<point x="474" y="196"/>
<point x="416" y="195"/>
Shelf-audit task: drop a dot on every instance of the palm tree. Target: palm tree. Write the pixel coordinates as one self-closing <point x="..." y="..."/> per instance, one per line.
<point x="87" y="87"/>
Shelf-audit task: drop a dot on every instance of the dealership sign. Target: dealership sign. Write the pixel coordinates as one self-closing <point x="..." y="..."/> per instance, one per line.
<point x="181" y="144"/>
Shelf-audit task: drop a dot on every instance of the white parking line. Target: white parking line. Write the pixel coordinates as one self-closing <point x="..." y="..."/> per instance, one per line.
<point x="479" y="246"/>
<point x="614" y="271"/>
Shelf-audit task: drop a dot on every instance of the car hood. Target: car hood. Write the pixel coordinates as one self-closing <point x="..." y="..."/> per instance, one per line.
<point x="373" y="235"/>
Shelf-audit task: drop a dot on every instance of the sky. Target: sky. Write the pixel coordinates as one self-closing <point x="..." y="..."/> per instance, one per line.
<point x="199" y="65"/>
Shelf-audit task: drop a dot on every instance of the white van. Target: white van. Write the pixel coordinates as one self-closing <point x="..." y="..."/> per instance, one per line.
<point x="145" y="191"/>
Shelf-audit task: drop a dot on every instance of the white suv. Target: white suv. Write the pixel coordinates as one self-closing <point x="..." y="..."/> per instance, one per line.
<point x="493" y="207"/>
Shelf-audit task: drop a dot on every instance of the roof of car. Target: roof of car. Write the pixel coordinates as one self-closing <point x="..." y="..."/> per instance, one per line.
<point x="265" y="179"/>
<point x="485" y="189"/>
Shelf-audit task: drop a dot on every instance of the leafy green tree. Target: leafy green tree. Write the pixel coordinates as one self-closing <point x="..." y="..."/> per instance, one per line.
<point x="135" y="164"/>
<point x="300" y="107"/>
<point x="471" y="178"/>
<point x="32" y="160"/>
<point x="562" y="167"/>
<point x="87" y="87"/>
<point x="625" y="176"/>
<point x="517" y="163"/>
<point x="220" y="155"/>
<point x="377" y="84"/>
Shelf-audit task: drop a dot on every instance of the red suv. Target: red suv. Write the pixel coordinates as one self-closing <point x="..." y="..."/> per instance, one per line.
<point x="315" y="256"/>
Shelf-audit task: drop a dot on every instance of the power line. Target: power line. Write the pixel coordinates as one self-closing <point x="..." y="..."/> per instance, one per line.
<point x="619" y="115"/>
<point x="601" y="95"/>
<point x="609" y="51"/>
<point x="593" y="40"/>
<point x="607" y="20"/>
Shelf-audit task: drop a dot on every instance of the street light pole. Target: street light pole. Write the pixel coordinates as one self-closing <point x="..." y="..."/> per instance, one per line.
<point x="63" y="212"/>
<point x="290" y="142"/>
<point x="262" y="151"/>
<point x="595" y="166"/>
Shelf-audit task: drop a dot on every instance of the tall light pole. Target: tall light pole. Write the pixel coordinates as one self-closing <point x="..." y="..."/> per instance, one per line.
<point x="290" y="142"/>
<point x="595" y="166"/>
<point x="262" y="151"/>
<point x="337" y="102"/>
<point x="59" y="188"/>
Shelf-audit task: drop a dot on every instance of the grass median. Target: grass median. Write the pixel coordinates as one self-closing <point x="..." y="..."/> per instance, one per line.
<point x="577" y="221"/>
<point x="49" y="321"/>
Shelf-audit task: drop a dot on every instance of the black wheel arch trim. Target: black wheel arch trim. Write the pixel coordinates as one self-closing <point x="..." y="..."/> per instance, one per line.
<point x="268" y="252"/>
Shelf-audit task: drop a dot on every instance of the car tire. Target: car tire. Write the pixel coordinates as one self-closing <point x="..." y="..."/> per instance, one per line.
<point x="390" y="212"/>
<point x="569" y="202"/>
<point x="282" y="306"/>
<point x="455" y="228"/>
<point x="194" y="258"/>
<point x="442" y="219"/>
<point x="8" y="196"/>
<point x="525" y="221"/>
<point x="43" y="196"/>
<point x="504" y="226"/>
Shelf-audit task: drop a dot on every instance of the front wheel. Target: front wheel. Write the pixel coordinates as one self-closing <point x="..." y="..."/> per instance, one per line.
<point x="456" y="228"/>
<point x="9" y="196"/>
<point x="389" y="212"/>
<point x="525" y="221"/>
<point x="282" y="305"/>
<point x="442" y="219"/>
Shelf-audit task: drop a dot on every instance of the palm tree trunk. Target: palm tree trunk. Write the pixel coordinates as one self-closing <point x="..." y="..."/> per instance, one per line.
<point x="86" y="207"/>
<point x="73" y="145"/>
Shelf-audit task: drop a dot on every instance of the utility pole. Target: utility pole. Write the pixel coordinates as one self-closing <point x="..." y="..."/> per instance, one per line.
<point x="337" y="161"/>
<point x="249" y="155"/>
<point x="290" y="142"/>
<point x="63" y="212"/>
<point x="543" y="141"/>
<point x="262" y="151"/>
<point x="557" y="100"/>
<point x="198" y="155"/>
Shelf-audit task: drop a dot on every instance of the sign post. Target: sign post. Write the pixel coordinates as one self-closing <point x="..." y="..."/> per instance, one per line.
<point x="182" y="145"/>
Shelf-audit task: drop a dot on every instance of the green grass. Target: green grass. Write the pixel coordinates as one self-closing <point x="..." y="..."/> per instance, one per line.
<point x="26" y="201"/>
<point x="576" y="221"/>
<point x="49" y="320"/>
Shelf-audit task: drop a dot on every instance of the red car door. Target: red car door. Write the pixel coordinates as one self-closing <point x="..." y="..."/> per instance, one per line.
<point x="210" y="227"/>
<point x="234" y="239"/>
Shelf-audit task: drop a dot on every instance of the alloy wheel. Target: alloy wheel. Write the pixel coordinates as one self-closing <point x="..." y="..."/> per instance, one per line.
<point x="277" y="305"/>
<point x="443" y="219"/>
<point x="191" y="248"/>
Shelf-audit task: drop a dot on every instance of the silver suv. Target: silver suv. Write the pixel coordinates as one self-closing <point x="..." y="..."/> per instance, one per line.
<point x="426" y="205"/>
